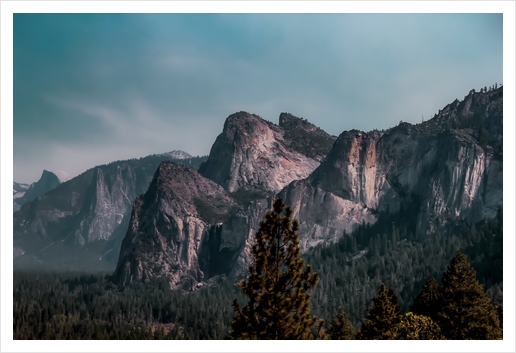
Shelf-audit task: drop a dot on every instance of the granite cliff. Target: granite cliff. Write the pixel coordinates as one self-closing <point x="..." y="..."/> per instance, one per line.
<point x="254" y="154"/>
<point x="80" y="224"/>
<point x="448" y="168"/>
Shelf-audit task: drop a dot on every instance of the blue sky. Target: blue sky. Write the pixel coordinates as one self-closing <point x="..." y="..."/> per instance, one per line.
<point x="93" y="88"/>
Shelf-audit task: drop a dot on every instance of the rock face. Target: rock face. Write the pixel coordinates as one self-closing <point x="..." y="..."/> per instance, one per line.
<point x="253" y="154"/>
<point x="189" y="226"/>
<point x="249" y="162"/>
<point x="48" y="181"/>
<point x="449" y="168"/>
<point x="80" y="224"/>
<point x="168" y="225"/>
<point x="452" y="164"/>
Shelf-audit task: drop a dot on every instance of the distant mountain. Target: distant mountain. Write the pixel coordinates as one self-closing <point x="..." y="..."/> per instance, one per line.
<point x="446" y="170"/>
<point x="80" y="224"/>
<point x="19" y="187"/>
<point x="178" y="154"/>
<point x="47" y="182"/>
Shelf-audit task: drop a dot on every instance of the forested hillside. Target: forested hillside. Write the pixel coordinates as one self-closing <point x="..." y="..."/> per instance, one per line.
<point x="75" y="306"/>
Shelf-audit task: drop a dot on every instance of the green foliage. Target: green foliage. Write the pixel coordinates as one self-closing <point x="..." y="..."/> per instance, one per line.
<point x="77" y="306"/>
<point x="428" y="302"/>
<point x="309" y="144"/>
<point x="340" y="327"/>
<point x="418" y="327"/>
<point x="80" y="306"/>
<point x="383" y="318"/>
<point x="278" y="284"/>
<point x="467" y="312"/>
<point x="350" y="278"/>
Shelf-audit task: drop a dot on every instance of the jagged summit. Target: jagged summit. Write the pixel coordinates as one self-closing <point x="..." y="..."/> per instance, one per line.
<point x="252" y="153"/>
<point x="168" y="224"/>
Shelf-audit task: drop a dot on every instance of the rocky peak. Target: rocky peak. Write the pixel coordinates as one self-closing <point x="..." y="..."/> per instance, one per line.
<point x="251" y="153"/>
<point x="446" y="173"/>
<point x="167" y="227"/>
<point x="479" y="115"/>
<point x="48" y="181"/>
<point x="349" y="170"/>
<point x="80" y="224"/>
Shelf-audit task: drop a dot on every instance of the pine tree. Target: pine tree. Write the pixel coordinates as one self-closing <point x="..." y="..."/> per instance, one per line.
<point x="418" y="327"/>
<point x="429" y="301"/>
<point x="383" y="318"/>
<point x="278" y="284"/>
<point x="467" y="312"/>
<point x="340" y="327"/>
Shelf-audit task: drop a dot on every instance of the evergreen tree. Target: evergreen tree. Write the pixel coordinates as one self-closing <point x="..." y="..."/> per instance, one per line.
<point x="429" y="301"/>
<point x="278" y="284"/>
<point x="418" y="327"/>
<point x="383" y="318"/>
<point x="340" y="327"/>
<point x="467" y="312"/>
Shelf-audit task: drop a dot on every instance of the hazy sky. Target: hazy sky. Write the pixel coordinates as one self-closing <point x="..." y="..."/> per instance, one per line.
<point x="93" y="88"/>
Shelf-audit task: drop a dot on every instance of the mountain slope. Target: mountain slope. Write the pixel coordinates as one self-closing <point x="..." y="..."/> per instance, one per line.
<point x="444" y="175"/>
<point x="80" y="224"/>
<point x="253" y="154"/>
<point x="47" y="182"/>
<point x="168" y="225"/>
<point x="450" y="174"/>
<point x="251" y="159"/>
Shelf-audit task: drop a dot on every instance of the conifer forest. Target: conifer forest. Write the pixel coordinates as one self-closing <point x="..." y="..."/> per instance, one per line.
<point x="378" y="283"/>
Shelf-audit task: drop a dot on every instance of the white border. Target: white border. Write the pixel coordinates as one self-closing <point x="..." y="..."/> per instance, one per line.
<point x="7" y="10"/>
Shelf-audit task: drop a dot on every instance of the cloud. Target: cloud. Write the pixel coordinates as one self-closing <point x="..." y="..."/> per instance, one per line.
<point x="152" y="83"/>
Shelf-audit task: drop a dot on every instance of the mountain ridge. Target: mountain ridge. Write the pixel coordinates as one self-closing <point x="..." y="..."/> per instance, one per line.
<point x="438" y="169"/>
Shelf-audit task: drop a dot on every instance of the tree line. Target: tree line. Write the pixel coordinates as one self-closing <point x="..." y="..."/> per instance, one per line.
<point x="378" y="269"/>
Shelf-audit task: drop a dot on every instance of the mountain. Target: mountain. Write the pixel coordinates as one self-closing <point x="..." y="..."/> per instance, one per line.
<point x="450" y="168"/>
<point x="254" y="154"/>
<point x="446" y="170"/>
<point x="168" y="224"/>
<point x="178" y="154"/>
<point x="47" y="182"/>
<point x="80" y="224"/>
<point x="188" y="227"/>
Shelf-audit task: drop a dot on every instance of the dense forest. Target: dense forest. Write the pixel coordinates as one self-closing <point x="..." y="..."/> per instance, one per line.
<point x="352" y="271"/>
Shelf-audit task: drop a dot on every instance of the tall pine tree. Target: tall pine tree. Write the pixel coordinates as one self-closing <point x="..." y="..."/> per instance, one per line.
<point x="429" y="301"/>
<point x="467" y="312"/>
<point x="383" y="318"/>
<point x="278" y="284"/>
